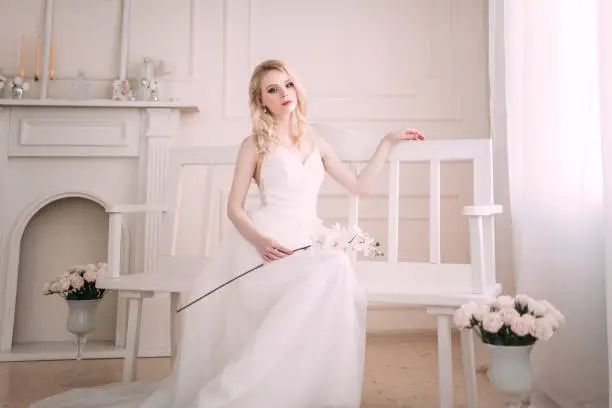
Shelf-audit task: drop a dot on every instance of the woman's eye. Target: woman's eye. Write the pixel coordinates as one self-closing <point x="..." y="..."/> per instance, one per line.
<point x="289" y="85"/>
<point x="272" y="90"/>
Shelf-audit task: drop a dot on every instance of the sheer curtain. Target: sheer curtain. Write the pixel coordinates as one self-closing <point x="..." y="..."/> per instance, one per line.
<point x="605" y="69"/>
<point x="549" y="124"/>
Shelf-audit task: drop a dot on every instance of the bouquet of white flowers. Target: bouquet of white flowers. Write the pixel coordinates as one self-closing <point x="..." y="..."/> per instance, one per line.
<point x="346" y="239"/>
<point x="77" y="283"/>
<point x="510" y="321"/>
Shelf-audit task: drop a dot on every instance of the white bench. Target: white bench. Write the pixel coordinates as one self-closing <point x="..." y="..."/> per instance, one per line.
<point x="438" y="287"/>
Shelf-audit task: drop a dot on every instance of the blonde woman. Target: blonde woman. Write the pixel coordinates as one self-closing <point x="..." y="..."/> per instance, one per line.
<point x="291" y="334"/>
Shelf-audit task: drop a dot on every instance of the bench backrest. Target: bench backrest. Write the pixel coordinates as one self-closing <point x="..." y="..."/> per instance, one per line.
<point x="354" y="149"/>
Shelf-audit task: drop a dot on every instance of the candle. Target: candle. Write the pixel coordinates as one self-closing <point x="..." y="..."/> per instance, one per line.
<point x="51" y="58"/>
<point x="37" y="72"/>
<point x="22" y="57"/>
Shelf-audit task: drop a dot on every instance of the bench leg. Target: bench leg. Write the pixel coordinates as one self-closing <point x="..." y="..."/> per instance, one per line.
<point x="445" y="355"/>
<point x="469" y="368"/>
<point x="132" y="338"/>
<point x="174" y="329"/>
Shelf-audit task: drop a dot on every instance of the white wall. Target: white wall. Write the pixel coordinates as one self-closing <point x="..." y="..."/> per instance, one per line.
<point x="369" y="65"/>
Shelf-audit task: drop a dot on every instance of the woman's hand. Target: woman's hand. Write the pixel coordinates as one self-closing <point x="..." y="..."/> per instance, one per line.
<point x="404" y="134"/>
<point x="271" y="250"/>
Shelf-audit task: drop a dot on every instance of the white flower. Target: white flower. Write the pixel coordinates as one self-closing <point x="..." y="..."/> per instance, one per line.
<point x="331" y="242"/>
<point x="90" y="275"/>
<point x="551" y="310"/>
<point x="63" y="284"/>
<point x="523" y="300"/>
<point x="463" y="316"/>
<point x="345" y="239"/>
<point x="505" y="302"/>
<point x="77" y="281"/>
<point x="53" y="286"/>
<point x="77" y="269"/>
<point x="482" y="310"/>
<point x="366" y="243"/>
<point x="538" y="309"/>
<point x="90" y="268"/>
<point x="101" y="269"/>
<point x="492" y="322"/>
<point x="523" y="325"/>
<point x="471" y="306"/>
<point x="508" y="315"/>
<point x="554" y="323"/>
<point x="542" y="329"/>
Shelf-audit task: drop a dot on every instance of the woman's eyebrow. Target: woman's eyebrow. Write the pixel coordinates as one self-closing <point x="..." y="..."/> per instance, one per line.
<point x="269" y="85"/>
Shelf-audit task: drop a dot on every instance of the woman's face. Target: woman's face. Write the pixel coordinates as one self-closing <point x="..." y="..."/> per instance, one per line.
<point x="278" y="93"/>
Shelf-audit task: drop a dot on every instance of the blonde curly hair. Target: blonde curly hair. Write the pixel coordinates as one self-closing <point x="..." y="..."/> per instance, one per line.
<point x="264" y="124"/>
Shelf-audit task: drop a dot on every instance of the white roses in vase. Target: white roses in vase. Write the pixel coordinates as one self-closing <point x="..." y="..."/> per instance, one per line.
<point x="510" y="321"/>
<point x="77" y="283"/>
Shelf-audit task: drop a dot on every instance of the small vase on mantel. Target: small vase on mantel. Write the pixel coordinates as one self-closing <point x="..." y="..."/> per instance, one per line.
<point x="81" y="320"/>
<point x="510" y="372"/>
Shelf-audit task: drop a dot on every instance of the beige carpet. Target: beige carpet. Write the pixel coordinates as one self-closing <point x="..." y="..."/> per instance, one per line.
<point x="400" y="372"/>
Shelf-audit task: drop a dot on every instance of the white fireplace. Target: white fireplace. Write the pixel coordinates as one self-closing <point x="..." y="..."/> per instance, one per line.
<point x="103" y="151"/>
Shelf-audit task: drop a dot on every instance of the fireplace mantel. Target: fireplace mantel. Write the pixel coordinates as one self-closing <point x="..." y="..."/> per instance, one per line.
<point x="98" y="103"/>
<point x="101" y="150"/>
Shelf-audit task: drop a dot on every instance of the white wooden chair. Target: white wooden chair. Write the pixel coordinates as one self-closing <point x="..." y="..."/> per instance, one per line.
<point x="438" y="287"/>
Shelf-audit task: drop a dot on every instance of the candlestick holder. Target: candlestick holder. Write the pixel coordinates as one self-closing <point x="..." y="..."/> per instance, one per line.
<point x="3" y="82"/>
<point x="80" y="86"/>
<point x="149" y="81"/>
<point x="18" y="87"/>
<point x="154" y="88"/>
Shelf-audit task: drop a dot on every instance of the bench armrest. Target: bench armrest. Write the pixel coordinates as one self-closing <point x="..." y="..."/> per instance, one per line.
<point x="482" y="210"/>
<point x="116" y="213"/>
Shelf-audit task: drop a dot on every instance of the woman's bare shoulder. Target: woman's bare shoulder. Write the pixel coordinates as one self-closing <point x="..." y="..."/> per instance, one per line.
<point x="249" y="142"/>
<point x="248" y="146"/>
<point x="319" y="142"/>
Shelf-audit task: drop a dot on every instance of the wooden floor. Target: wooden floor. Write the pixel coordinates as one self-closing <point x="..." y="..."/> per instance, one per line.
<point x="400" y="372"/>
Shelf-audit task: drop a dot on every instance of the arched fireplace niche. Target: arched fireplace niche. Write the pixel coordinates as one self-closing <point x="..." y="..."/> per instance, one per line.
<point x="50" y="236"/>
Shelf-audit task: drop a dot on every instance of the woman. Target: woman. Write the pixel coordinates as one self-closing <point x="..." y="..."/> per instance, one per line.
<point x="292" y="334"/>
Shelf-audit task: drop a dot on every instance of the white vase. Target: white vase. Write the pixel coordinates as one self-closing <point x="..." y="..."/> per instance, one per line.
<point x="81" y="320"/>
<point x="510" y="372"/>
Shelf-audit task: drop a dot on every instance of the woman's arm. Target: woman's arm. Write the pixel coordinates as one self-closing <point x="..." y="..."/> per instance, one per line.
<point x="361" y="184"/>
<point x="246" y="165"/>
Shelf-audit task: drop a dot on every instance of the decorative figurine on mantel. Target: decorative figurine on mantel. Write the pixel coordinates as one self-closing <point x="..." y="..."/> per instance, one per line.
<point x="122" y="91"/>
<point x="154" y="88"/>
<point x="18" y="87"/>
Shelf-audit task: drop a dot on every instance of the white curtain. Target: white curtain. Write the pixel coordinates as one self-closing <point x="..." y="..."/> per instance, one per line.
<point x="548" y="121"/>
<point x="605" y="83"/>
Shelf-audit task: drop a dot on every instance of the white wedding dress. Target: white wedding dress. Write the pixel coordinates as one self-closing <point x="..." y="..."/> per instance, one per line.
<point x="288" y="335"/>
